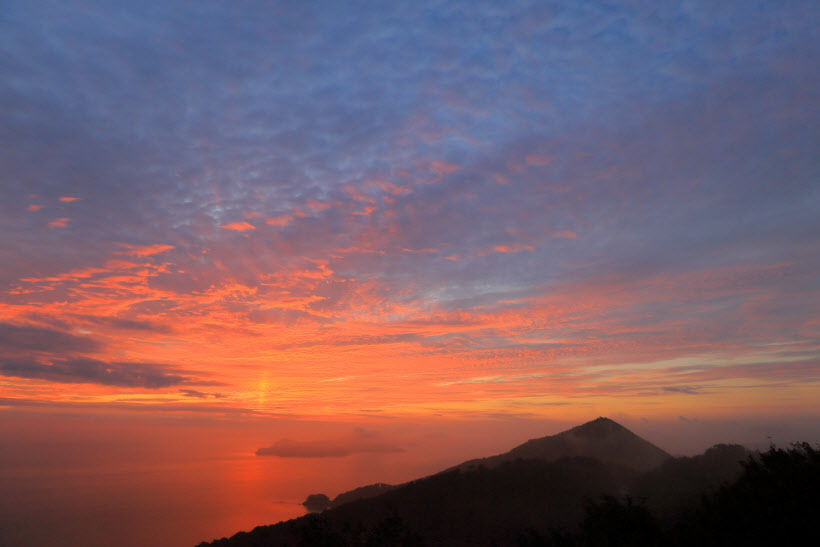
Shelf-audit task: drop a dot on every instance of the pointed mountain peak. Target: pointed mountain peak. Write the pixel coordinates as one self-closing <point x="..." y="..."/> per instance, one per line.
<point x="597" y="427"/>
<point x="602" y="439"/>
<point x="600" y="421"/>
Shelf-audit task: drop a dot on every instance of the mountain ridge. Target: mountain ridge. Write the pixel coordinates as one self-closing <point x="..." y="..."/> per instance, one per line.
<point x="503" y="499"/>
<point x="725" y="496"/>
<point x="602" y="438"/>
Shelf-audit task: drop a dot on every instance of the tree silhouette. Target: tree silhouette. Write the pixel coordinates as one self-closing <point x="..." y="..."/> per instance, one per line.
<point x="613" y="523"/>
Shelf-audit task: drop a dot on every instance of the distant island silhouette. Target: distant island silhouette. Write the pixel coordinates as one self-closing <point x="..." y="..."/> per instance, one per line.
<point x="595" y="484"/>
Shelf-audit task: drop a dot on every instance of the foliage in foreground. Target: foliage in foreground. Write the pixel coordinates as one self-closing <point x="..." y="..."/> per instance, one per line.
<point x="776" y="501"/>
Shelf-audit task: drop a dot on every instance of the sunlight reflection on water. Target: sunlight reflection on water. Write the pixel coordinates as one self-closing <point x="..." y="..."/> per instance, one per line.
<point x="177" y="504"/>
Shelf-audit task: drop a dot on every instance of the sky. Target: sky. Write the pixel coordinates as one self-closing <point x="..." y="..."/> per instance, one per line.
<point x="405" y="214"/>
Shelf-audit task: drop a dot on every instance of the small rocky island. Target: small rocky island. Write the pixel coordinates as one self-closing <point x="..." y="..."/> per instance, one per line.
<point x="316" y="503"/>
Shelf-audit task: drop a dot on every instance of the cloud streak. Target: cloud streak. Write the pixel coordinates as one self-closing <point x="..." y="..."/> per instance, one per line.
<point x="94" y="371"/>
<point x="15" y="338"/>
<point x="360" y="442"/>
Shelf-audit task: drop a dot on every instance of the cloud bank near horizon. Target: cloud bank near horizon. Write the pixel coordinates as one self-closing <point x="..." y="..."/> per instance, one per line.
<point x="360" y="442"/>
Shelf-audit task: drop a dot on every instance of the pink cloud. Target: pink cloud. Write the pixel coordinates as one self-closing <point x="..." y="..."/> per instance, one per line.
<point x="283" y="220"/>
<point x="68" y="199"/>
<point x="512" y="248"/>
<point x="59" y="223"/>
<point x="420" y="251"/>
<point x="443" y="168"/>
<point x="318" y="205"/>
<point x="394" y="189"/>
<point x="144" y="250"/>
<point x="238" y="226"/>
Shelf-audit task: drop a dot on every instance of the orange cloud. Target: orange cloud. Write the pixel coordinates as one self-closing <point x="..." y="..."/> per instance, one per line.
<point x="34" y="207"/>
<point x="68" y="199"/>
<point x="59" y="223"/>
<point x="368" y="210"/>
<point x="512" y="248"/>
<point x="144" y="250"/>
<point x="420" y="251"/>
<point x="357" y="194"/>
<point x="318" y="205"/>
<point x="238" y="226"/>
<point x="394" y="189"/>
<point x="280" y="221"/>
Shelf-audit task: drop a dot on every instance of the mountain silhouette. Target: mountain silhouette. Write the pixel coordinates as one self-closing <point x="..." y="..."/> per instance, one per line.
<point x="361" y="493"/>
<point x="602" y="439"/>
<point x="536" y="494"/>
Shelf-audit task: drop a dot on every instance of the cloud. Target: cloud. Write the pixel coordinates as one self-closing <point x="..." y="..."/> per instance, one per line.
<point x="360" y="442"/>
<point x="238" y="226"/>
<point x="205" y="408"/>
<point x="128" y="324"/>
<point x="442" y="167"/>
<point x="200" y="394"/>
<point x="59" y="223"/>
<point x="683" y="389"/>
<point x="94" y="371"/>
<point x="512" y="248"/>
<point x="68" y="199"/>
<point x="363" y="340"/>
<point x="283" y="220"/>
<point x="284" y="316"/>
<point x="144" y="250"/>
<point x="14" y="338"/>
